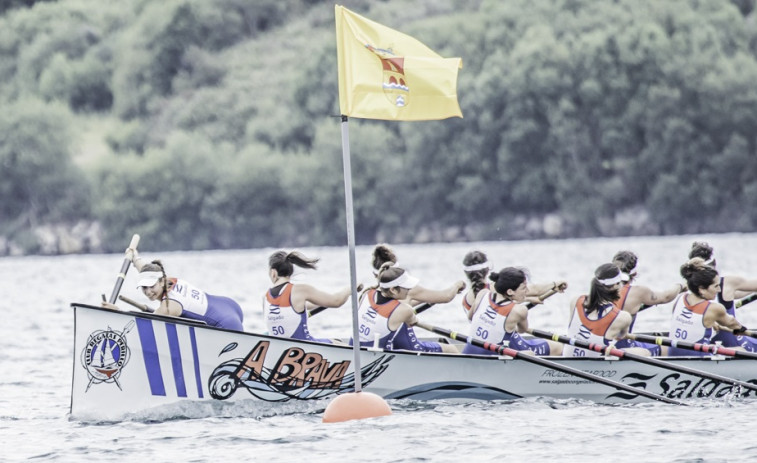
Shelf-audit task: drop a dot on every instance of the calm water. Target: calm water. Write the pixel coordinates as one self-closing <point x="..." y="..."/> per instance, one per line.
<point x="36" y="359"/>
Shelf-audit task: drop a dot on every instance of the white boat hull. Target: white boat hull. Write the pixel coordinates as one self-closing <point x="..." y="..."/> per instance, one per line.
<point x="126" y="362"/>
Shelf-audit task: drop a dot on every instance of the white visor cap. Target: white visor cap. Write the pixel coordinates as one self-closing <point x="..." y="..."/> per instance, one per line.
<point x="405" y="280"/>
<point x="148" y="279"/>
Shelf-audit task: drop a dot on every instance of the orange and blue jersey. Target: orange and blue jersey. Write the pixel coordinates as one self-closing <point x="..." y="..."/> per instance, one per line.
<point x="687" y="324"/>
<point x="373" y="319"/>
<point x="488" y="325"/>
<point x="281" y="318"/>
<point x="586" y="329"/>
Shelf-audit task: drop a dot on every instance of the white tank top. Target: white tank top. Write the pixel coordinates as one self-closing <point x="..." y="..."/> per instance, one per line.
<point x="373" y="318"/>
<point x="687" y="322"/>
<point x="189" y="297"/>
<point x="578" y="329"/>
<point x="487" y="323"/>
<point x="280" y="317"/>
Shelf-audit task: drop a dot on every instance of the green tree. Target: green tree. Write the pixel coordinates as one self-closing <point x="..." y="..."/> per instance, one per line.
<point x="40" y="183"/>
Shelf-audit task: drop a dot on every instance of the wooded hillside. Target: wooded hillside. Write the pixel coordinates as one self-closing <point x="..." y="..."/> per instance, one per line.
<point x="206" y="124"/>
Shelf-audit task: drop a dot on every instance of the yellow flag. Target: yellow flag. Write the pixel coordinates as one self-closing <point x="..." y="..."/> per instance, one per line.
<point x="385" y="74"/>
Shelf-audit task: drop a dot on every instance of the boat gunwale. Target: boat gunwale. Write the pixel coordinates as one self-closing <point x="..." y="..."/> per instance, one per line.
<point x="197" y="324"/>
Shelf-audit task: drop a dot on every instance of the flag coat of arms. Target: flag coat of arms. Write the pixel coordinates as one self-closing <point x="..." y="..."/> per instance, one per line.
<point x="385" y="74"/>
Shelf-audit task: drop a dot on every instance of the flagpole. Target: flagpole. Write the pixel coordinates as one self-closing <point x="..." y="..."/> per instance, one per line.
<point x="353" y="405"/>
<point x="349" y="214"/>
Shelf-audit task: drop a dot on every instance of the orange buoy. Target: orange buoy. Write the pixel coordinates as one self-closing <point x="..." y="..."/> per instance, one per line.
<point x="355" y="406"/>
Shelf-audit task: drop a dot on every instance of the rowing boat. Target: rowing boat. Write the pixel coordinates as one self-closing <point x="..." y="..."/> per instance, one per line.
<point x="131" y="361"/>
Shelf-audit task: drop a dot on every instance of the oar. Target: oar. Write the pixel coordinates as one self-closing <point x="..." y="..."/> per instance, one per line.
<point x="745" y="300"/>
<point x="124" y="269"/>
<point x="707" y="348"/>
<point x="142" y="307"/>
<point x="145" y="308"/>
<point x="640" y="358"/>
<point x="546" y="295"/>
<point x="316" y="311"/>
<point x="546" y="363"/>
<point x="750" y="333"/>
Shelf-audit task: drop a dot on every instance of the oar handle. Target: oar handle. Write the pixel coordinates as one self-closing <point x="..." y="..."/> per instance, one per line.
<point x="745" y="300"/>
<point x="124" y="268"/>
<point x="142" y="307"/>
<point x="546" y="295"/>
<point x="420" y="308"/>
<point x="316" y="311"/>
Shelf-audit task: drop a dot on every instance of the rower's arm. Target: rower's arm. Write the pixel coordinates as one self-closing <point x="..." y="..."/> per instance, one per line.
<point x="402" y="314"/>
<point x="304" y="293"/>
<point x="522" y="312"/>
<point x="736" y="287"/>
<point x="169" y="307"/>
<point x="436" y="296"/>
<point x="537" y="289"/>
<point x="648" y="296"/>
<point x="721" y="317"/>
<point x="619" y="327"/>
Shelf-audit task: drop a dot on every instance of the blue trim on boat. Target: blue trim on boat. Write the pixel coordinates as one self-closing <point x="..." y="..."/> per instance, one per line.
<point x="150" y="356"/>
<point x="175" y="350"/>
<point x="196" y="358"/>
<point x="452" y="390"/>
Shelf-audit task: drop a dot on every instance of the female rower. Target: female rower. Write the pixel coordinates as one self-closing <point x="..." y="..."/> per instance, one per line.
<point x="731" y="287"/>
<point x="695" y="315"/>
<point x="596" y="319"/>
<point x="285" y="304"/>
<point x="499" y="316"/>
<point x="383" y="254"/>
<point x="180" y="298"/>
<point x="633" y="297"/>
<point x="477" y="267"/>
<point x="384" y="316"/>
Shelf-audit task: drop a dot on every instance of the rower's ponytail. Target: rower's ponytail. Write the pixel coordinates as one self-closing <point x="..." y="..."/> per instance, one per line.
<point x="601" y="294"/>
<point x="284" y="262"/>
<point x="477" y="277"/>
<point x="698" y="274"/>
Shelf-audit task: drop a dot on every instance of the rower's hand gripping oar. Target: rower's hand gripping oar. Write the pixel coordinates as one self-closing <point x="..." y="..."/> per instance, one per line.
<point x="548" y="294"/>
<point x="499" y="349"/>
<point x="640" y="358"/>
<point x="124" y="269"/>
<point x="698" y="347"/>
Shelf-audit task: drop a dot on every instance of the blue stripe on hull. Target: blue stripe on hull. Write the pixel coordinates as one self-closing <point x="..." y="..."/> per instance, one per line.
<point x="150" y="356"/>
<point x="196" y="358"/>
<point x="178" y="370"/>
